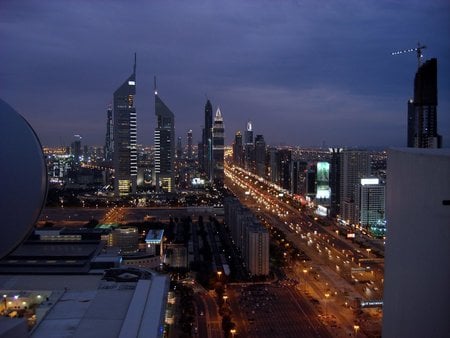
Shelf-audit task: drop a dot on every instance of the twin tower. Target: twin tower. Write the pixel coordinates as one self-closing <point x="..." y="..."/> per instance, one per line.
<point x="121" y="142"/>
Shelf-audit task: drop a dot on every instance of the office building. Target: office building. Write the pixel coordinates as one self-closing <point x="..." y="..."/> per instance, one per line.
<point x="164" y="146"/>
<point x="109" y="139"/>
<point x="207" y="141"/>
<point x="218" y="149"/>
<point x="126" y="239"/>
<point x="260" y="156"/>
<point x="371" y="202"/>
<point x="335" y="181"/>
<point x="417" y="255"/>
<point x="249" y="156"/>
<point x="75" y="149"/>
<point x="284" y="165"/>
<point x="125" y="137"/>
<point x="257" y="257"/>
<point x="355" y="164"/>
<point x="298" y="177"/>
<point x="179" y="148"/>
<point x="189" y="145"/>
<point x="238" y="150"/>
<point x="422" y="121"/>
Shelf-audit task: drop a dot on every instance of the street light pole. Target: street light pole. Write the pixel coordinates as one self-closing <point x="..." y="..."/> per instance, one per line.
<point x="356" y="328"/>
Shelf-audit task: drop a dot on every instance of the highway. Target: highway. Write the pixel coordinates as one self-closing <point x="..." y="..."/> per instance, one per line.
<point x="330" y="277"/>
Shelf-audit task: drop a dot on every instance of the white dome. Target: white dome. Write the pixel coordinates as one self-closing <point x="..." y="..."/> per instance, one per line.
<point x="23" y="176"/>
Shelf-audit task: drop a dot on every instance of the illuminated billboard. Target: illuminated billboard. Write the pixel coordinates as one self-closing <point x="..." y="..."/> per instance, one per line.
<point x="196" y="181"/>
<point x="323" y="176"/>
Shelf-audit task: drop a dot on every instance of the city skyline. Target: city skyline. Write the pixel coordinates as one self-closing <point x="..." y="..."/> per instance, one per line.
<point x="331" y="76"/>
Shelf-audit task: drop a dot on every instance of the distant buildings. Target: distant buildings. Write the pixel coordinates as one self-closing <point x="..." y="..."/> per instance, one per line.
<point x="218" y="149"/>
<point x="164" y="175"/>
<point x="189" y="145"/>
<point x="249" y="147"/>
<point x="125" y="137"/>
<point x="422" y="111"/>
<point x="108" y="149"/>
<point x="207" y="141"/>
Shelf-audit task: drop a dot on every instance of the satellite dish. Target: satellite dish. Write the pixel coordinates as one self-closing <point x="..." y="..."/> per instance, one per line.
<point x="23" y="176"/>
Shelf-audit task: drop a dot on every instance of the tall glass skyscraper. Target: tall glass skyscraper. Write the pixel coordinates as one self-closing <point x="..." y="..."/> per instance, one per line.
<point x="125" y="137"/>
<point x="164" y="146"/>
<point x="218" y="148"/>
<point x="207" y="141"/>
<point x="422" y="120"/>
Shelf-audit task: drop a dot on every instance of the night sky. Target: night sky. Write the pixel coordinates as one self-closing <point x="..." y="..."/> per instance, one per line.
<point x="307" y="73"/>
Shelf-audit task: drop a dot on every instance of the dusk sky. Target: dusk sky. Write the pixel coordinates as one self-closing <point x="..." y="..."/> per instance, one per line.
<point x="306" y="73"/>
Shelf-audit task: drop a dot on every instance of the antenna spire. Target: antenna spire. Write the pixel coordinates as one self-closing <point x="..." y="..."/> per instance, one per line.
<point x="134" y="66"/>
<point x="154" y="85"/>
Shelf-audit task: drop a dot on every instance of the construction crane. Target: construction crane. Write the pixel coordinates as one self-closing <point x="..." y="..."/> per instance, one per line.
<point x="418" y="49"/>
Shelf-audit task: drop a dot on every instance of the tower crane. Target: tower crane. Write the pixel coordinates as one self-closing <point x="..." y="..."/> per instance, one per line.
<point x="418" y="49"/>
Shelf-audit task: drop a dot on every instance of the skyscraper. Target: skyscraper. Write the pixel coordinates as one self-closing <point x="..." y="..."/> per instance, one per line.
<point x="355" y="164"/>
<point x="335" y="181"/>
<point x="260" y="156"/>
<point x="422" y="126"/>
<point x="179" y="148"/>
<point x="371" y="202"/>
<point x="207" y="141"/>
<point x="218" y="149"/>
<point x="238" y="149"/>
<point x="109" y="145"/>
<point x="249" y="156"/>
<point x="164" y="146"/>
<point x="189" y="144"/>
<point x="125" y="152"/>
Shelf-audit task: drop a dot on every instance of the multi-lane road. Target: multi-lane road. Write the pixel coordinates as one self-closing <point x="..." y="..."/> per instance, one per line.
<point x="333" y="272"/>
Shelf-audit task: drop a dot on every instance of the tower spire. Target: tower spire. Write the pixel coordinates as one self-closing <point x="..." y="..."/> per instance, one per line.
<point x="154" y="85"/>
<point x="134" y="66"/>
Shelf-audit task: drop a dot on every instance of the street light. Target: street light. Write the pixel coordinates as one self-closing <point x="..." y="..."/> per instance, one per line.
<point x="233" y="332"/>
<point x="356" y="328"/>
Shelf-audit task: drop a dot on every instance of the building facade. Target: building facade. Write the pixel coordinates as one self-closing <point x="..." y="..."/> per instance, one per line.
<point x="164" y="147"/>
<point x="371" y="202"/>
<point x="108" y="150"/>
<point x="125" y="137"/>
<point x="422" y="122"/>
<point x="218" y="149"/>
<point x="355" y="164"/>
<point x="260" y="156"/>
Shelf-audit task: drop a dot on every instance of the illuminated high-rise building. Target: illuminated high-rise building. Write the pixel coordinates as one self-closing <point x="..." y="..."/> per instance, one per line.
<point x="218" y="148"/>
<point x="238" y="149"/>
<point x="179" y="148"/>
<point x="422" y="119"/>
<point x="207" y="141"/>
<point x="371" y="202"/>
<point x="164" y="146"/>
<point x="249" y="147"/>
<point x="354" y="165"/>
<point x="189" y="144"/>
<point x="335" y="181"/>
<point x="260" y="156"/>
<point x="125" y="137"/>
<point x="109" y="140"/>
